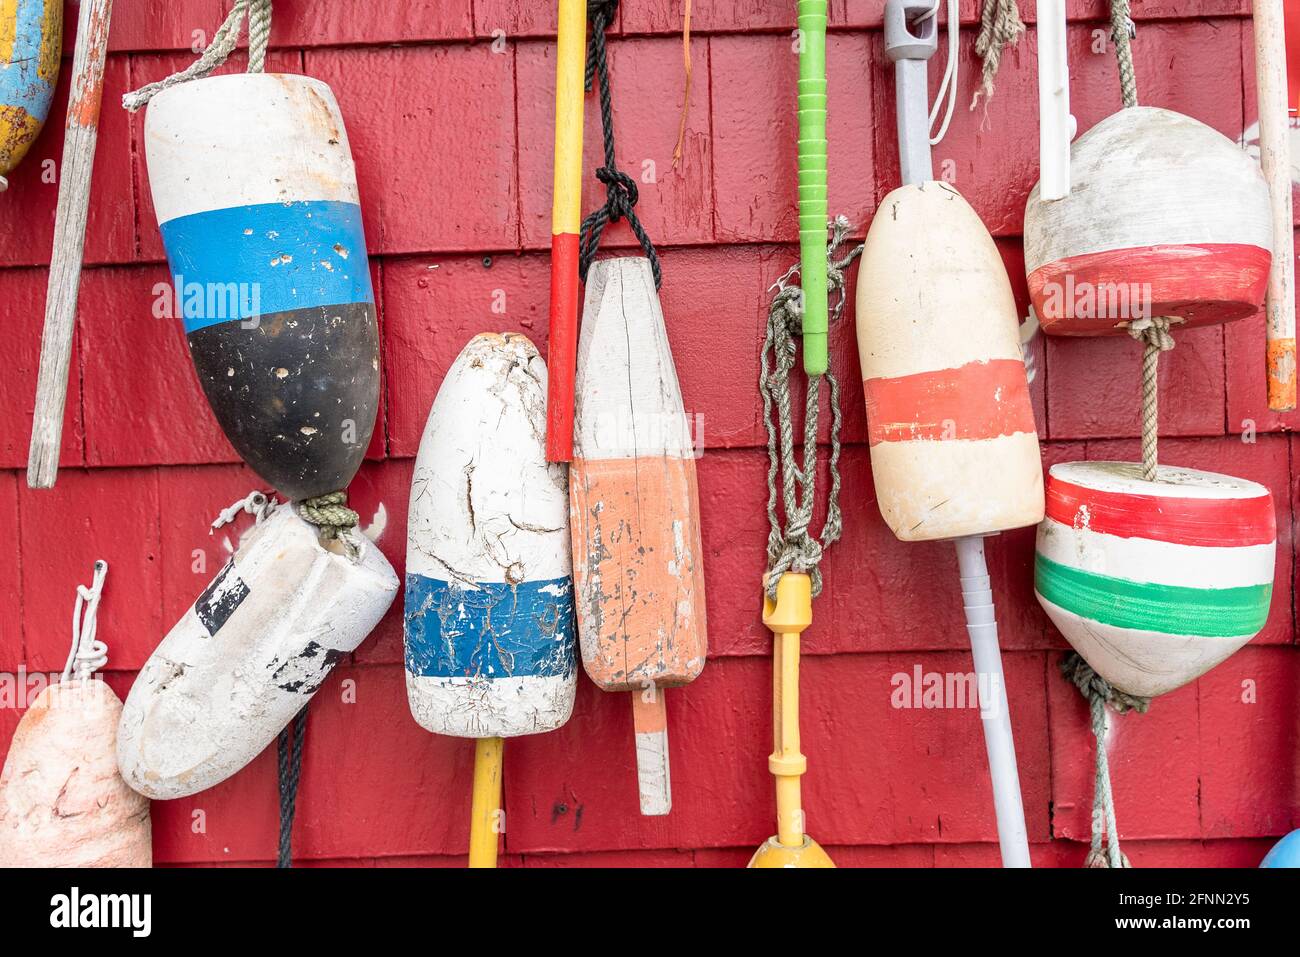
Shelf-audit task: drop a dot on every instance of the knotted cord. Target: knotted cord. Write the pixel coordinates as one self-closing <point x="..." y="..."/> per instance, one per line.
<point x="88" y="654"/>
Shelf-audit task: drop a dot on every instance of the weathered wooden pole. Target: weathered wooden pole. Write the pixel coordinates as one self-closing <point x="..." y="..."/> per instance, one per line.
<point x="1275" y="158"/>
<point x="81" y="132"/>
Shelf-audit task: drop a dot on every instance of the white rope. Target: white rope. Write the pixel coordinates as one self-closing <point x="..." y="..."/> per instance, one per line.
<point x="254" y="503"/>
<point x="948" y="86"/>
<point x="88" y="653"/>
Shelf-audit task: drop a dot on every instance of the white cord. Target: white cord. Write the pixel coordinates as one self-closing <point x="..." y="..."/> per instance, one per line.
<point x="88" y="653"/>
<point x="254" y="503"/>
<point x="948" y="85"/>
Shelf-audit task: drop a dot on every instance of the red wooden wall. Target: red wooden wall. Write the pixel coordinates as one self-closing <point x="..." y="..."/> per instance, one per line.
<point x="452" y="140"/>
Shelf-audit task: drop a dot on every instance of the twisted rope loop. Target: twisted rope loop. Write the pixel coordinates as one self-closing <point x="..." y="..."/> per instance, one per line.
<point x="255" y="503"/>
<point x="88" y="654"/>
<point x="620" y="189"/>
<point x="1000" y="26"/>
<point x="288" y="768"/>
<point x="1099" y="693"/>
<point x="1154" y="333"/>
<point x="795" y="548"/>
<point x="331" y="515"/>
<point x="1122" y="30"/>
<point x="223" y="44"/>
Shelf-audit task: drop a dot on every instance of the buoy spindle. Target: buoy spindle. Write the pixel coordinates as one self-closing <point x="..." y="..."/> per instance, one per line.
<point x="485" y="802"/>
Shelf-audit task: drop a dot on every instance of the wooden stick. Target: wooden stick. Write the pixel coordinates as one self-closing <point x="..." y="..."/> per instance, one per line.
<point x="1275" y="158"/>
<point x="654" y="781"/>
<point x="484" y="834"/>
<point x="81" y="132"/>
<point x="566" y="219"/>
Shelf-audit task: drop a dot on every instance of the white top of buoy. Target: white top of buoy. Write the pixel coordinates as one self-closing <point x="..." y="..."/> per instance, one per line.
<point x="246" y="139"/>
<point x="1171" y="481"/>
<point x="629" y="402"/>
<point x="486" y="506"/>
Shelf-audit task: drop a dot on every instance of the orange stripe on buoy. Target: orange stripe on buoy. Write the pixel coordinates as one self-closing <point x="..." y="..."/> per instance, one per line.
<point x="979" y="400"/>
<point x="1281" y="374"/>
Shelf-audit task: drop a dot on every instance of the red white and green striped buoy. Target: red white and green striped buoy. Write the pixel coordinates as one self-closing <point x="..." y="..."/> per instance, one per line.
<point x="1154" y="583"/>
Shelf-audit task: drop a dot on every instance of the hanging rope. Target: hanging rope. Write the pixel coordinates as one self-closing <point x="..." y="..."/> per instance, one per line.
<point x="620" y="189"/>
<point x="223" y="44"/>
<point x="88" y="654"/>
<point x="1122" y="30"/>
<point x="795" y="548"/>
<point x="330" y="514"/>
<point x="1099" y="693"/>
<point x="288" y="772"/>
<point x="1000" y="27"/>
<point x="948" y="84"/>
<point x="1155" y="336"/>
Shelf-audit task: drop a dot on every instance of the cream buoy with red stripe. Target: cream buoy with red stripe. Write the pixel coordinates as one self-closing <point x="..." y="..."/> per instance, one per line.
<point x="1164" y="214"/>
<point x="1154" y="583"/>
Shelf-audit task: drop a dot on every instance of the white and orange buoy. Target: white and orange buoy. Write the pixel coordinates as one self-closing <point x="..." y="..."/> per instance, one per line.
<point x="250" y="652"/>
<point x="1154" y="582"/>
<point x="1164" y="214"/>
<point x="489" y="598"/>
<point x="62" y="802"/>
<point x="634" y="512"/>
<point x="954" y="450"/>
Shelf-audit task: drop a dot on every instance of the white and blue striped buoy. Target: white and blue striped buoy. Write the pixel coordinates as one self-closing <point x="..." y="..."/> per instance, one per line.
<point x="489" y="600"/>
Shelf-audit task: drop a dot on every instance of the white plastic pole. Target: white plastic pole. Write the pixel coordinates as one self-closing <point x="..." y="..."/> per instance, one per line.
<point x="981" y="623"/>
<point x="1055" y="124"/>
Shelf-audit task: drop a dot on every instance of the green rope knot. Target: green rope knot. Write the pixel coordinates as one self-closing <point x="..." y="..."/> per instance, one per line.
<point x="331" y="515"/>
<point x="1099" y="693"/>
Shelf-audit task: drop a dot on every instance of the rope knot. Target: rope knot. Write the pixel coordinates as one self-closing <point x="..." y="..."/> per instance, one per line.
<point x="1153" y="331"/>
<point x="620" y="190"/>
<point x="331" y="515"/>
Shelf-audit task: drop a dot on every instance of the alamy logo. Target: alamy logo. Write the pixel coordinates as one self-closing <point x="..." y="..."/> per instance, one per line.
<point x="1119" y="301"/>
<point x="74" y="909"/>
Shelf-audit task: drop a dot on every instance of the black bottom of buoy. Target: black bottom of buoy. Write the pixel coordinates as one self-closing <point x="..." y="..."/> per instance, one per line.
<point x="296" y="393"/>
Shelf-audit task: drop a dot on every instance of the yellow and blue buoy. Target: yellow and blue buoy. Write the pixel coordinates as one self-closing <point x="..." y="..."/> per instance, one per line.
<point x="31" y="41"/>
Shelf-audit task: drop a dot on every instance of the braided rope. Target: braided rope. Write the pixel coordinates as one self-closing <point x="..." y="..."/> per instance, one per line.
<point x="1154" y="334"/>
<point x="1123" y="30"/>
<point x="1000" y="26"/>
<point x="795" y="548"/>
<point x="331" y="515"/>
<point x="1099" y="693"/>
<point x="288" y="773"/>
<point x="620" y="189"/>
<point x="223" y="44"/>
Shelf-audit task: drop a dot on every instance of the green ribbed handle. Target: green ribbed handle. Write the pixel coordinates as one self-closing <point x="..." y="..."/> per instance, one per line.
<point x="812" y="181"/>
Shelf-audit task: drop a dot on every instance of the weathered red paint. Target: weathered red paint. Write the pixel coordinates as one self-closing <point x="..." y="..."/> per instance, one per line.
<point x="979" y="400"/>
<point x="444" y="187"/>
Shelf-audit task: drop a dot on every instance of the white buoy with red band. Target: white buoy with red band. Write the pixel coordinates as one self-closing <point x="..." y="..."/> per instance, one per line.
<point x="1165" y="217"/>
<point x="634" y="509"/>
<point x="250" y="653"/>
<point x="256" y="199"/>
<point x="1154" y="583"/>
<point x="62" y="801"/>
<point x="489" y="600"/>
<point x="954" y="450"/>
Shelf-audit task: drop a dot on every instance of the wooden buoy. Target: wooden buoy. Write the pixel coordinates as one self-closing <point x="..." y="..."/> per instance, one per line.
<point x="31" y="42"/>
<point x="954" y="450"/>
<point x="1154" y="583"/>
<point x="250" y="653"/>
<point x="256" y="197"/>
<point x="489" y="600"/>
<point x="1165" y="217"/>
<point x="62" y="802"/>
<point x="634" y="509"/>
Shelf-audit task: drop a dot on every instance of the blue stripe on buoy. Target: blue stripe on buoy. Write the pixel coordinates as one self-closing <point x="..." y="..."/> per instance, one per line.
<point x="492" y="630"/>
<point x="249" y="261"/>
<point x="21" y="84"/>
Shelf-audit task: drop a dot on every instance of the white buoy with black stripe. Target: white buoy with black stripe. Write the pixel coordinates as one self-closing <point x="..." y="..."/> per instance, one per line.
<point x="489" y="622"/>
<point x="250" y="653"/>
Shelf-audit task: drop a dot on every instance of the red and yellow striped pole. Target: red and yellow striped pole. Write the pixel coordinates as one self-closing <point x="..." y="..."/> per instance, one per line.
<point x="566" y="219"/>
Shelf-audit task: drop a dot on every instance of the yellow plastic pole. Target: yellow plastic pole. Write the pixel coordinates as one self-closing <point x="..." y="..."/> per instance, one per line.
<point x="788" y="618"/>
<point x="486" y="802"/>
